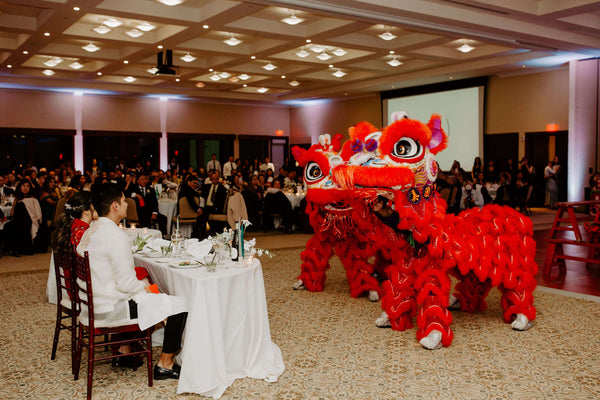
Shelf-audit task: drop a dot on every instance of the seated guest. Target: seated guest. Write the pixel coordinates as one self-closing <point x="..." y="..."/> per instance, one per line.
<point x="281" y="176"/>
<point x="253" y="196"/>
<point x="48" y="199"/>
<point x="25" y="233"/>
<point x="480" y="184"/>
<point x="290" y="180"/>
<point x="504" y="192"/>
<point x="236" y="206"/>
<point x="189" y="191"/>
<point x="471" y="196"/>
<point x="147" y="204"/>
<point x="276" y="203"/>
<point x="5" y="191"/>
<point x="119" y="297"/>
<point x="214" y="195"/>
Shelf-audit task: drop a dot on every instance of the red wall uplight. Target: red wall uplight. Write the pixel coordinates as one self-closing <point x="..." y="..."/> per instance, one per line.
<point x="551" y="127"/>
<point x="176" y="152"/>
<point x="279" y="132"/>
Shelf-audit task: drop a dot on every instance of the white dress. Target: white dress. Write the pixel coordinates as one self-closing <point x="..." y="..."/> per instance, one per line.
<point x="114" y="281"/>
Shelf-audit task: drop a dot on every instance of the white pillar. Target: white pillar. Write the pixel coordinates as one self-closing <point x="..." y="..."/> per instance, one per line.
<point x="164" y="148"/>
<point x="78" y="139"/>
<point x="583" y="129"/>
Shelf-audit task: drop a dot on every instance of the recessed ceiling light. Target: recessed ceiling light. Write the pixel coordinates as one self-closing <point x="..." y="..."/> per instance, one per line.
<point x="99" y="73"/>
<point x="302" y="53"/>
<point x="392" y="51"/>
<point x="339" y="73"/>
<point x="160" y="46"/>
<point x="324" y="56"/>
<point x="25" y="52"/>
<point x="244" y="77"/>
<point x="76" y="65"/>
<point x="53" y="61"/>
<point x="394" y="62"/>
<point x="317" y="48"/>
<point x="129" y="79"/>
<point x="210" y="70"/>
<point x="253" y="58"/>
<point x="387" y="35"/>
<point x="152" y="70"/>
<point x="200" y="84"/>
<point x="177" y="79"/>
<point x="232" y="41"/>
<point x="91" y="47"/>
<point x="282" y="76"/>
<point x="215" y="77"/>
<point x="308" y="40"/>
<point x="112" y="22"/>
<point x="145" y="26"/>
<point x="244" y="85"/>
<point x="262" y="90"/>
<point x="76" y="9"/>
<point x="269" y="67"/>
<point x="171" y="2"/>
<point x="188" y="58"/>
<point x="292" y="19"/>
<point x="340" y="52"/>
<point x="330" y="65"/>
<point x="48" y="72"/>
<point x="205" y="26"/>
<point x="294" y="83"/>
<point x="46" y="33"/>
<point x="465" y="48"/>
<point x="224" y="75"/>
<point x="125" y="62"/>
<point x="102" y="29"/>
<point x="9" y="66"/>
<point x="134" y="33"/>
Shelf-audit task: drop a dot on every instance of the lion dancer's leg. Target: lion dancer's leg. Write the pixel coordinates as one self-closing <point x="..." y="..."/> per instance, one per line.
<point x="433" y="319"/>
<point x="315" y="261"/>
<point x="359" y="271"/>
<point x="398" y="301"/>
<point x="517" y="300"/>
<point x="470" y="293"/>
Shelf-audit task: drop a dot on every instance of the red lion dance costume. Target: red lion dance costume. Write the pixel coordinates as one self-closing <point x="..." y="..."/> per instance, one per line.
<point x="482" y="248"/>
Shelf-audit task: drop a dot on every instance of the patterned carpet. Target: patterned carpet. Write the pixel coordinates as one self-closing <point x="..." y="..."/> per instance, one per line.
<point x="331" y="348"/>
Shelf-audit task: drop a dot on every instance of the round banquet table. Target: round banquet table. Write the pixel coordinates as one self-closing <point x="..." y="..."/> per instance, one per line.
<point x="6" y="210"/>
<point x="227" y="334"/>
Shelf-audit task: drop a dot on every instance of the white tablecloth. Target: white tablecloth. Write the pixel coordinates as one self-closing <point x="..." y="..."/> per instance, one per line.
<point x="6" y="210"/>
<point x="168" y="208"/>
<point x="227" y="334"/>
<point x="295" y="199"/>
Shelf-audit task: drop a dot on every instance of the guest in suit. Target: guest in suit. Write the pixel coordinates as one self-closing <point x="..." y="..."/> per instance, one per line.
<point x="147" y="204"/>
<point x="214" y="164"/>
<point x="189" y="191"/>
<point x="228" y="168"/>
<point x="253" y="196"/>
<point x="214" y="196"/>
<point x="277" y="203"/>
<point x="5" y="190"/>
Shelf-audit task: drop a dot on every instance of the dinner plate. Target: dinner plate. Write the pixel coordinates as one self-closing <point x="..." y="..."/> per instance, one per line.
<point x="183" y="264"/>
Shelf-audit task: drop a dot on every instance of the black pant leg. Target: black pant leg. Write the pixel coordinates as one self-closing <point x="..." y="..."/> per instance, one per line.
<point x="174" y="332"/>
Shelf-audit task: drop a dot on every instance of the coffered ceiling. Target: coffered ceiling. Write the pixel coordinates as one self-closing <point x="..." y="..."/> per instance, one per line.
<point x="336" y="48"/>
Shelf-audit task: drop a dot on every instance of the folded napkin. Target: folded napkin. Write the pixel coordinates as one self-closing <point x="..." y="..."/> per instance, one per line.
<point x="200" y="249"/>
<point x="155" y="244"/>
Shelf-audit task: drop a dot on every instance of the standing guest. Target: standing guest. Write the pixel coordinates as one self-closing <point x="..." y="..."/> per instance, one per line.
<point x="25" y="233"/>
<point x="456" y="170"/>
<point x="477" y="168"/>
<point x="491" y="173"/>
<point x="267" y="165"/>
<point x="118" y="295"/>
<point x="228" y="167"/>
<point x="255" y="167"/>
<point x="48" y="199"/>
<point x="147" y="204"/>
<point x="281" y="177"/>
<point x="189" y="191"/>
<point x="214" y="164"/>
<point x="253" y="196"/>
<point x="551" y="185"/>
<point x="246" y="171"/>
<point x="214" y="196"/>
<point x="510" y="167"/>
<point x="174" y="165"/>
<point x="559" y="177"/>
<point x="236" y="206"/>
<point x="519" y="191"/>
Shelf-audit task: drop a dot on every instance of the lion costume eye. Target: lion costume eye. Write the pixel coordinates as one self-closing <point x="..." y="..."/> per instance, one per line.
<point x="312" y="172"/>
<point x="407" y="148"/>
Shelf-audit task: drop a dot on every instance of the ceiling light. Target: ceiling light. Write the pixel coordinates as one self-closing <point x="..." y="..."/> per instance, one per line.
<point x="125" y="62"/>
<point x="294" y="83"/>
<point x="465" y="48"/>
<point x="387" y="35"/>
<point x="317" y="48"/>
<point x="91" y="47"/>
<point x="302" y="53"/>
<point x="200" y="84"/>
<point x="394" y="62"/>
<point x="46" y="33"/>
<point x="269" y="67"/>
<point x="76" y="8"/>
<point x="340" y="52"/>
<point x="215" y="77"/>
<point x="232" y="41"/>
<point x="76" y="65"/>
<point x="102" y="29"/>
<point x="53" y="61"/>
<point x="253" y="57"/>
<point x="171" y="2"/>
<point x="129" y="79"/>
<point x="244" y="85"/>
<point x="262" y="90"/>
<point x="339" y="73"/>
<point x="160" y="46"/>
<point x="9" y="66"/>
<point x="292" y="19"/>
<point x="25" y="52"/>
<point x="324" y="56"/>
<point x="177" y="79"/>
<point x="244" y="77"/>
<point x="308" y="40"/>
<point x="99" y="73"/>
<point x="330" y="65"/>
<point x="188" y="58"/>
<point x="134" y="33"/>
<point x="145" y="26"/>
<point x="282" y="76"/>
<point x="210" y="70"/>
<point x="48" y="72"/>
<point x="112" y="22"/>
<point x="205" y="26"/>
<point x="224" y="75"/>
<point x="152" y="70"/>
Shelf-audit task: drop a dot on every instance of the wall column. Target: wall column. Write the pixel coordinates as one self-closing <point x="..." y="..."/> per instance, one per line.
<point x="583" y="125"/>
<point x="164" y="148"/>
<point x="78" y="139"/>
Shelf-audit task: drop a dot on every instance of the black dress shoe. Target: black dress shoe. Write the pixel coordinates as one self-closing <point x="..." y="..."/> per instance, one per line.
<point x="161" y="373"/>
<point x="132" y="362"/>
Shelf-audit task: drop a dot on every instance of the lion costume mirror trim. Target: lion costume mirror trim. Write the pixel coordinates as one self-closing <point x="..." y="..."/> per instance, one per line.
<point x="424" y="247"/>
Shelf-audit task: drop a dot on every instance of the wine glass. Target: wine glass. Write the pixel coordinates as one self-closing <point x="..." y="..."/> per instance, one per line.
<point x="176" y="240"/>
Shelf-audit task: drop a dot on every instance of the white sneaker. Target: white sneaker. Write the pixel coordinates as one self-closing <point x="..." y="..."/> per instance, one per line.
<point x="383" y="321"/>
<point x="521" y="323"/>
<point x="373" y="296"/>
<point x="432" y="341"/>
<point x="298" y="285"/>
<point x="453" y="303"/>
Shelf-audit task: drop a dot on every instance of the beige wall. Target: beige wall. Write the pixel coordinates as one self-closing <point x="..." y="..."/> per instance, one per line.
<point x="112" y="113"/>
<point x="19" y="109"/>
<point x="308" y="122"/>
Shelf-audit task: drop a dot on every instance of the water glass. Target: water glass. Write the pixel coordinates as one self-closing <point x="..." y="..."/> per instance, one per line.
<point x="176" y="240"/>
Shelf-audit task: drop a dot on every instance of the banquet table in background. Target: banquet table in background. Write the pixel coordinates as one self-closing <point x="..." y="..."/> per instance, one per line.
<point x="6" y="210"/>
<point x="227" y="334"/>
<point x="294" y="198"/>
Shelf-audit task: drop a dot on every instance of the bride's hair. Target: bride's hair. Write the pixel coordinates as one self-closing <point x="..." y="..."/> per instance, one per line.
<point x="74" y="207"/>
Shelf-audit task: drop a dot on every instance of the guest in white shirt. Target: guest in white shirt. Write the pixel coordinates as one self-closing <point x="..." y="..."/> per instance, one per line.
<point x="214" y="164"/>
<point x="471" y="196"/>
<point x="119" y="297"/>
<point x="228" y="167"/>
<point x="267" y="165"/>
